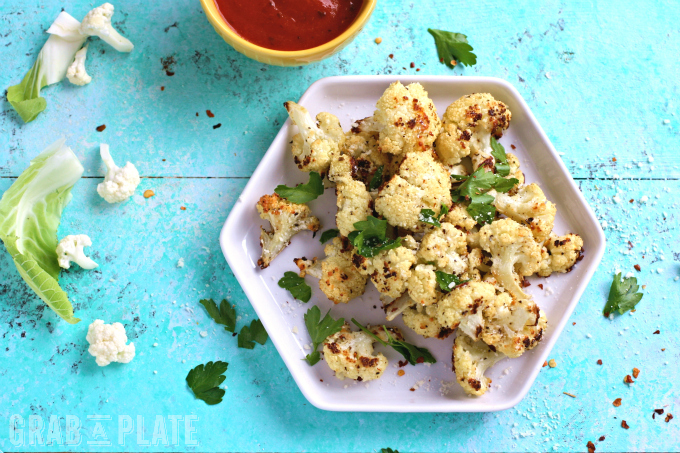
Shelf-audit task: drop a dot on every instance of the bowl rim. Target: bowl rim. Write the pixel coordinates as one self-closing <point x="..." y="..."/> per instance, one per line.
<point x="223" y="28"/>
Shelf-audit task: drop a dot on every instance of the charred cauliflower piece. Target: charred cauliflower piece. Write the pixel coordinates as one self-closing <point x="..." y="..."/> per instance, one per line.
<point x="560" y="254"/>
<point x="406" y="119"/>
<point x="529" y="207"/>
<point x="423" y="321"/>
<point x="354" y="205"/>
<point x="446" y="247"/>
<point x="340" y="281"/>
<point x="467" y="128"/>
<point x="422" y="183"/>
<point x="459" y="217"/>
<point x="514" y="253"/>
<point x="471" y="359"/>
<point x="286" y="219"/>
<point x="422" y="285"/>
<point x="317" y="141"/>
<point x="389" y="270"/>
<point x="512" y="326"/>
<point x="464" y="301"/>
<point x="350" y="355"/>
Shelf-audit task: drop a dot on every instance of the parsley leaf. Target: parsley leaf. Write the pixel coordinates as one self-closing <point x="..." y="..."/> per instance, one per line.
<point x="302" y="193"/>
<point x="388" y="450"/>
<point x="498" y="153"/>
<point x="453" y="46"/>
<point x="249" y="335"/>
<point x="474" y="189"/>
<point x="447" y="282"/>
<point x="296" y="286"/>
<point x="428" y="216"/>
<point x="370" y="237"/>
<point x="329" y="234"/>
<point x="204" y="381"/>
<point x="225" y="315"/>
<point x="412" y="353"/>
<point x="377" y="179"/>
<point x="623" y="295"/>
<point x="320" y="329"/>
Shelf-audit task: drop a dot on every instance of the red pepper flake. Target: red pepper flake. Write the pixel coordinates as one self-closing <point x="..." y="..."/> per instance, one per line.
<point x="321" y="380"/>
<point x="637" y="267"/>
<point x="617" y="402"/>
<point x="169" y="73"/>
<point x="417" y="69"/>
<point x="663" y="349"/>
<point x="601" y="439"/>
<point x="628" y="379"/>
<point x="162" y="88"/>
<point x="658" y="411"/>
<point x="234" y="334"/>
<point x="196" y="113"/>
<point x="630" y="201"/>
<point x="656" y="332"/>
<point x="599" y="362"/>
<point x="669" y="417"/>
<point x="412" y="389"/>
<point x="413" y="65"/>
<point x="630" y="244"/>
<point x="391" y="55"/>
<point x="540" y="285"/>
<point x="217" y="126"/>
<point x="101" y="128"/>
<point x="573" y="323"/>
<point x="613" y="159"/>
<point x="525" y="283"/>
<point x="636" y="373"/>
<point x="210" y="114"/>
<point x="545" y="364"/>
<point x="420" y="360"/>
<point x="591" y="447"/>
<point x="182" y="208"/>
<point x="513" y="147"/>
<point x="403" y="363"/>
<point x="624" y="424"/>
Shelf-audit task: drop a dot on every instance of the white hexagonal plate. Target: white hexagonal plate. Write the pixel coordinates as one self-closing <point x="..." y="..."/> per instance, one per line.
<point x="423" y="388"/>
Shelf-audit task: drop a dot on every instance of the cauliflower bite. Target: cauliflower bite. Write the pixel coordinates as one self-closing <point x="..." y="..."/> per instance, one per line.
<point x="287" y="219"/>
<point x="340" y="281"/>
<point x="465" y="300"/>
<point x="120" y="183"/>
<point x="389" y="270"/>
<point x="560" y="254"/>
<point x="515" y="172"/>
<point x="422" y="285"/>
<point x="459" y="217"/>
<point x="423" y="321"/>
<point x="406" y="119"/>
<point x="422" y="183"/>
<point x="70" y="249"/>
<point x="362" y="144"/>
<point x="350" y="355"/>
<point x="316" y="142"/>
<point x="446" y="247"/>
<point x="511" y="326"/>
<point x="309" y="267"/>
<point x="513" y="251"/>
<point x="467" y="127"/>
<point x="529" y="207"/>
<point x="471" y="359"/>
<point x="107" y="343"/>
<point x="354" y="205"/>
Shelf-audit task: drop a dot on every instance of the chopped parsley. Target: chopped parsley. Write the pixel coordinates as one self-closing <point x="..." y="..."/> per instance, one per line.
<point x="329" y="234"/>
<point x="447" y="282"/>
<point x="249" y="335"/>
<point x="370" y="237"/>
<point x="302" y="193"/>
<point x="428" y="216"/>
<point x="296" y="286"/>
<point x="377" y="179"/>
<point x="320" y="329"/>
<point x="412" y="353"/>
<point x="453" y="48"/>
<point x="474" y="189"/>
<point x="205" y="380"/>
<point x="225" y="315"/>
<point x="498" y="153"/>
<point x="623" y="295"/>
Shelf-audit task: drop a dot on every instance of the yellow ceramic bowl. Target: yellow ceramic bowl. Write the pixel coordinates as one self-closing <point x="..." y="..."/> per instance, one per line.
<point x="280" y="57"/>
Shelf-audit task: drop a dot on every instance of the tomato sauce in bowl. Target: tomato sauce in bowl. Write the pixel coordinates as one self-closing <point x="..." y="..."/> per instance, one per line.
<point x="289" y="25"/>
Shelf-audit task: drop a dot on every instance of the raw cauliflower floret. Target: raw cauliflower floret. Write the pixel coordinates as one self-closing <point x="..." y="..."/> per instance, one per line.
<point x="459" y="217"/>
<point x="467" y="128"/>
<point x="513" y="251"/>
<point x="316" y="142"/>
<point x="76" y="72"/>
<point x="71" y="249"/>
<point x="107" y="343"/>
<point x="422" y="285"/>
<point x="529" y="207"/>
<point x="350" y="355"/>
<point x="354" y="205"/>
<point x="471" y="359"/>
<point x="422" y="183"/>
<point x="389" y="270"/>
<point x="340" y="281"/>
<point x="511" y="326"/>
<point x="560" y="254"/>
<point x="286" y="219"/>
<point x="119" y="183"/>
<point x="463" y="301"/>
<point x="406" y="118"/>
<point x="446" y="247"/>
<point x="423" y="321"/>
<point x="98" y="23"/>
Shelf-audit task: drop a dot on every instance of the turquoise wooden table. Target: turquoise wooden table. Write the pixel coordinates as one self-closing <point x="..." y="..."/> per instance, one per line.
<point x="602" y="79"/>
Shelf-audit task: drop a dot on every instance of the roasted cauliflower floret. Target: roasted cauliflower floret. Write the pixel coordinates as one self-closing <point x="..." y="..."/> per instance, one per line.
<point x="512" y="326"/>
<point x="350" y="355"/>
<point x="467" y="128"/>
<point x="423" y="321"/>
<point x="529" y="207"/>
<point x="309" y="267"/>
<point x="515" y="172"/>
<point x="422" y="285"/>
<point x="446" y="247"/>
<point x="476" y="265"/>
<point x="471" y="359"/>
<point x="317" y="141"/>
<point x="397" y="306"/>
<point x="389" y="270"/>
<point x="406" y="118"/>
<point x="354" y="205"/>
<point x="340" y="281"/>
<point x="286" y="219"/>
<point x="465" y="300"/>
<point x="422" y="183"/>
<point x="560" y="254"/>
<point x="514" y="253"/>
<point x="459" y="217"/>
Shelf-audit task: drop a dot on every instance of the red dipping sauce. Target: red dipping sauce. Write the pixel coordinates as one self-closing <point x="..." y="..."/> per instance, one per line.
<point x="289" y="24"/>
